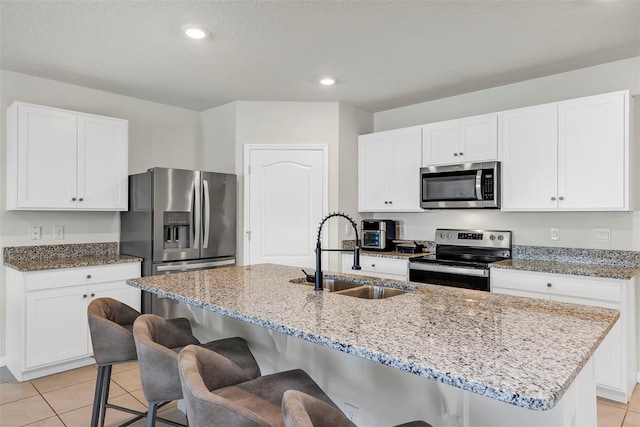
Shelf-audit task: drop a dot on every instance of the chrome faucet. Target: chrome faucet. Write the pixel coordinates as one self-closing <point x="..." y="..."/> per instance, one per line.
<point x="319" y="250"/>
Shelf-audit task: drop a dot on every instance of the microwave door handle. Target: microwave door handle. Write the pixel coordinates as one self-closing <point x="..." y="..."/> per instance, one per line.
<point x="479" y="185"/>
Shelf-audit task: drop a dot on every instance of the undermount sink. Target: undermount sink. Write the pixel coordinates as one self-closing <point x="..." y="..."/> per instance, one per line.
<point x="355" y="289"/>
<point x="372" y="292"/>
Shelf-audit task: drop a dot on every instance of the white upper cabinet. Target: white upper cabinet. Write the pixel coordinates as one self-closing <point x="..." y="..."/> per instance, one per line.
<point x="389" y="171"/>
<point x="64" y="160"/>
<point x="472" y="139"/>
<point x="572" y="155"/>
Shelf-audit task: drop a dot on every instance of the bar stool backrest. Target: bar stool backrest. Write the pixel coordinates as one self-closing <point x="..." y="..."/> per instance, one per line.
<point x="110" y="326"/>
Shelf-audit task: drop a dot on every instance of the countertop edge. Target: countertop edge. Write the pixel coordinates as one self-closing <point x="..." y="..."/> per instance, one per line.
<point x="61" y="263"/>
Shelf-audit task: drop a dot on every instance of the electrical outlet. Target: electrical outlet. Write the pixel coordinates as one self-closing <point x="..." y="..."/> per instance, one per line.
<point x="58" y="232"/>
<point x="352" y="413"/>
<point x="34" y="232"/>
<point x="555" y="234"/>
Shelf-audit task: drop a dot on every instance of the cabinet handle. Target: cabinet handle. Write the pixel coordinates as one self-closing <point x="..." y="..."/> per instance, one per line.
<point x="373" y="265"/>
<point x="88" y="276"/>
<point x="560" y="198"/>
<point x="390" y="202"/>
<point x="93" y="295"/>
<point x="549" y="285"/>
<point x="461" y="153"/>
<point x="553" y="199"/>
<point x="73" y="199"/>
<point x="455" y="154"/>
<point x="386" y="203"/>
<point x="81" y="199"/>
<point x="84" y="296"/>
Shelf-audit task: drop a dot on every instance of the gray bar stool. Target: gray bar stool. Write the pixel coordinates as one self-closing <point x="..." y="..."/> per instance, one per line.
<point x="158" y="343"/>
<point x="218" y="393"/>
<point x="301" y="410"/>
<point x="110" y="326"/>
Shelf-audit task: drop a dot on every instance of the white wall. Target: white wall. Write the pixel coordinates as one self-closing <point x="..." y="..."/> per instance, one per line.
<point x="159" y="135"/>
<point x="528" y="228"/>
<point x="218" y="132"/>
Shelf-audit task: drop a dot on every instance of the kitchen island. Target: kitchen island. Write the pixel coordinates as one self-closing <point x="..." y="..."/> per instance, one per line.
<point x="481" y="349"/>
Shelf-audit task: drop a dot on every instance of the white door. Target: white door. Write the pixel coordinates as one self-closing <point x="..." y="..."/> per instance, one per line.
<point x="286" y="197"/>
<point x="440" y="143"/>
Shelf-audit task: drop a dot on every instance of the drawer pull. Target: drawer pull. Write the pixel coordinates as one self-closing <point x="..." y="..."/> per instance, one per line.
<point x="84" y="296"/>
<point x="93" y="295"/>
<point x="549" y="285"/>
<point x="373" y="265"/>
<point x="88" y="276"/>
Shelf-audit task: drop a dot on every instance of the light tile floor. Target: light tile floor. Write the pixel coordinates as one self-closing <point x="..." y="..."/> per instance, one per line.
<point x="66" y="399"/>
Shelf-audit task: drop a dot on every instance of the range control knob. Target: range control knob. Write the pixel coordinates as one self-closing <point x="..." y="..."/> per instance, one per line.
<point x="492" y="237"/>
<point x="501" y="237"/>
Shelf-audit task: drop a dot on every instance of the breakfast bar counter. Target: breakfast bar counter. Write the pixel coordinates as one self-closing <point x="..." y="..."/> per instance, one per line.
<point x="521" y="351"/>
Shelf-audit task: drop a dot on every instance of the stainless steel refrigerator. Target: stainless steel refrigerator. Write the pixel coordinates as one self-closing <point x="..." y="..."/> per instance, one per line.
<point x="179" y="220"/>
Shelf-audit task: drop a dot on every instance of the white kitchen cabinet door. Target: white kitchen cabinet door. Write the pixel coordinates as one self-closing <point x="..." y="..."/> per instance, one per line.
<point x="389" y="171"/>
<point x="440" y="143"/>
<point x="407" y="149"/>
<point x="472" y="139"/>
<point x="593" y="153"/>
<point x="56" y="325"/>
<point x="102" y="163"/>
<point x="529" y="158"/>
<point x="388" y="268"/>
<point x="45" y="173"/>
<point x="478" y="139"/>
<point x="65" y="160"/>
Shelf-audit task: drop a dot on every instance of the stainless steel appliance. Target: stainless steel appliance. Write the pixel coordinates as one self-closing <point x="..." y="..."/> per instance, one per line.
<point x="462" y="258"/>
<point x="179" y="220"/>
<point x="378" y="234"/>
<point x="468" y="185"/>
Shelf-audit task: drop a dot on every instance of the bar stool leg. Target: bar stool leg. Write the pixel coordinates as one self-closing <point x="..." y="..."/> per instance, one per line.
<point x="151" y="415"/>
<point x="106" y="383"/>
<point x="98" y="397"/>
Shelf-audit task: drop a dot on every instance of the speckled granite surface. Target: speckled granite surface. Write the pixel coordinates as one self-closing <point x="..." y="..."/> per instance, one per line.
<point x="571" y="268"/>
<point x="522" y="351"/>
<point x="51" y="257"/>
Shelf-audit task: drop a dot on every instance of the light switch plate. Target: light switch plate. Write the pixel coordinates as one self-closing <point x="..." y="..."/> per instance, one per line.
<point x="58" y="232"/>
<point x="602" y="235"/>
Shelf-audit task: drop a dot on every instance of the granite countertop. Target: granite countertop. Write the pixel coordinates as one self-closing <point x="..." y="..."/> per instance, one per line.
<point x="523" y="351"/>
<point x="52" y="257"/>
<point x="391" y="254"/>
<point x="571" y="268"/>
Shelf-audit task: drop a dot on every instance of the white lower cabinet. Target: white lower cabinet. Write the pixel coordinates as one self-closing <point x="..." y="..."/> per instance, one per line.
<point x="615" y="358"/>
<point x="388" y="268"/>
<point x="47" y="326"/>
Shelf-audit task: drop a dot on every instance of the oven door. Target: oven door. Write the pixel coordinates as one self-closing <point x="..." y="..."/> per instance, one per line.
<point x="448" y="275"/>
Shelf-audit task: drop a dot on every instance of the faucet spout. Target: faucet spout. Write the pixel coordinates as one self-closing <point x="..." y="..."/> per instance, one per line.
<point x="356" y="251"/>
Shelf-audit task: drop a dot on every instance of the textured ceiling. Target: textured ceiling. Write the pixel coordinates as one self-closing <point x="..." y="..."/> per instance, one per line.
<point x="384" y="54"/>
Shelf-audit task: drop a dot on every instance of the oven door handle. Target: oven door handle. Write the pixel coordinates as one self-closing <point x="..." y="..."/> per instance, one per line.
<point x="449" y="269"/>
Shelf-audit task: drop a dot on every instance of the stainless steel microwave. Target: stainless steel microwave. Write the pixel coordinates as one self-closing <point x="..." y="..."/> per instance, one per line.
<point x="468" y="185"/>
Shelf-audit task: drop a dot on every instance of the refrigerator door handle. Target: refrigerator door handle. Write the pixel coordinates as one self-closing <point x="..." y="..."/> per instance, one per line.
<point x="196" y="266"/>
<point x="207" y="214"/>
<point x="195" y="218"/>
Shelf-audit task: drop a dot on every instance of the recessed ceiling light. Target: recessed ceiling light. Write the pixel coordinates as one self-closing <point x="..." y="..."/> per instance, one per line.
<point x="195" y="32"/>
<point x="328" y="81"/>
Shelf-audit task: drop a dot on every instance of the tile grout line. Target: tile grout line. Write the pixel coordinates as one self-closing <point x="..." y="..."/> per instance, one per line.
<point x="48" y="404"/>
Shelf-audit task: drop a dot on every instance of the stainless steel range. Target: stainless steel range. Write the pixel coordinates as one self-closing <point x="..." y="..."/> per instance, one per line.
<point x="462" y="258"/>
